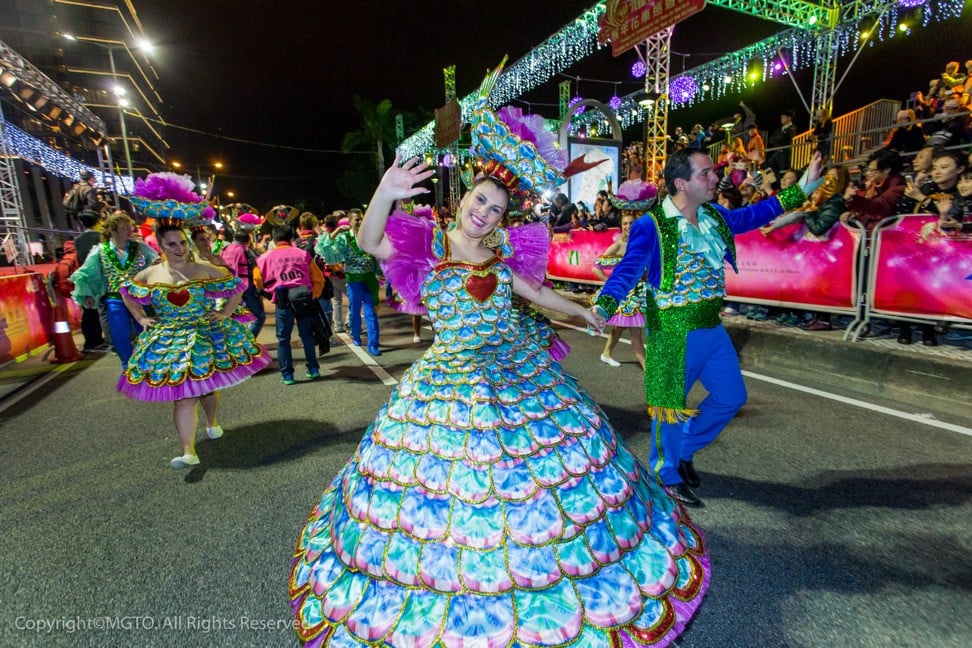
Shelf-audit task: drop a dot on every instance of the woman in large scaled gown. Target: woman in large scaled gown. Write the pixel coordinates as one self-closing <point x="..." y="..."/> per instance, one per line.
<point x="490" y="503"/>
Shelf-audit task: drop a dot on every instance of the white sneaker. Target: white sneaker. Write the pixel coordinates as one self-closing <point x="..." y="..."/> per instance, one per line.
<point x="184" y="461"/>
<point x="610" y="361"/>
<point x="214" y="432"/>
<point x="416" y="339"/>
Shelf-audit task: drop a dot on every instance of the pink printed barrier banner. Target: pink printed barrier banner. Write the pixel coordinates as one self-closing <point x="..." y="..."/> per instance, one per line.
<point x="784" y="268"/>
<point x="572" y="254"/>
<point x="25" y="315"/>
<point x="921" y="271"/>
<point x="791" y="267"/>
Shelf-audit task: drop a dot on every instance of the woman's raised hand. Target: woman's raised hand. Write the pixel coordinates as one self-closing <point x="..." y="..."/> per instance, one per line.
<point x="399" y="180"/>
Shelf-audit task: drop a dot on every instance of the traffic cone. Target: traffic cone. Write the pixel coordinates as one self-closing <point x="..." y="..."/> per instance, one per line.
<point x="64" y="348"/>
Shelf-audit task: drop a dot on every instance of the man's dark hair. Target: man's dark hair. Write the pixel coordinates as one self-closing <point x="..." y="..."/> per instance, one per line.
<point x="283" y="234"/>
<point x="886" y="159"/>
<point x="86" y="175"/>
<point x="789" y="113"/>
<point x="331" y="221"/>
<point x="679" y="165"/>
<point x="960" y="159"/>
<point x="89" y="218"/>
<point x="241" y="236"/>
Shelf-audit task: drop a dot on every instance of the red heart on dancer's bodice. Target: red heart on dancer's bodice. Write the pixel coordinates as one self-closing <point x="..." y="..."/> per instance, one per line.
<point x="178" y="297"/>
<point x="481" y="286"/>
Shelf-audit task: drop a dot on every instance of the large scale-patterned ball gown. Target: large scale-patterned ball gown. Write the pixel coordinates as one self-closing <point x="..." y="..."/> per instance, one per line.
<point x="490" y="502"/>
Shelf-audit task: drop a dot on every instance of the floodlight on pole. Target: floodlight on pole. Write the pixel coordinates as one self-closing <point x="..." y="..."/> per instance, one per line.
<point x="118" y="89"/>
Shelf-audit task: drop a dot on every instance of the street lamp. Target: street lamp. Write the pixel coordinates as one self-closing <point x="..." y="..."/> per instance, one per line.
<point x="119" y="91"/>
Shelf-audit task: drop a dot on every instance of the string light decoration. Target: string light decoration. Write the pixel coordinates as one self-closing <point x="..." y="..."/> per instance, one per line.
<point x="682" y="89"/>
<point x="730" y="74"/>
<point x="33" y="150"/>
<point x="724" y="76"/>
<point x="614" y="102"/>
<point x="576" y="41"/>
<point x="638" y="69"/>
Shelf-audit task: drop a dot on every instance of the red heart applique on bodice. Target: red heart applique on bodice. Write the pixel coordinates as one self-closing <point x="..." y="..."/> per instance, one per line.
<point x="481" y="286"/>
<point x="178" y="297"/>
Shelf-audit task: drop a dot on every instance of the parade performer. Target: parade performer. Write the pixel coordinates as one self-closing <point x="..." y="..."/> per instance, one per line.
<point x="107" y="267"/>
<point x="490" y="502"/>
<point x="201" y="238"/>
<point x="188" y="350"/>
<point x="530" y="319"/>
<point x="682" y="244"/>
<point x="362" y="284"/>
<point x="241" y="260"/>
<point x="630" y="314"/>
<point x="633" y="199"/>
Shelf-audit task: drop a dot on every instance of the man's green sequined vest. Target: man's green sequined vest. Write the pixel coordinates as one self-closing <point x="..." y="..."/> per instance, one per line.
<point x="669" y="323"/>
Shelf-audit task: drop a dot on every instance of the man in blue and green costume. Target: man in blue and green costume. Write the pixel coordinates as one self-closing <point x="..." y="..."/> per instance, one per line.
<point x="682" y="244"/>
<point x="119" y="258"/>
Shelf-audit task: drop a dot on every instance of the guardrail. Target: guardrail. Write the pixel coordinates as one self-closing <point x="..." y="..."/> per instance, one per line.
<point x="906" y="269"/>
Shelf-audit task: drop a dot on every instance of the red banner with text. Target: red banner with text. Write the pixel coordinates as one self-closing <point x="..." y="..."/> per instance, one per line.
<point x="922" y="271"/>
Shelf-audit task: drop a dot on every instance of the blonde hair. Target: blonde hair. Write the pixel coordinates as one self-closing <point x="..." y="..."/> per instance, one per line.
<point x="113" y="222"/>
<point x="308" y="221"/>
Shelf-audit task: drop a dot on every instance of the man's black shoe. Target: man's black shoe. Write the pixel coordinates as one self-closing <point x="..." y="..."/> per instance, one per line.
<point x="681" y="492"/>
<point x="687" y="472"/>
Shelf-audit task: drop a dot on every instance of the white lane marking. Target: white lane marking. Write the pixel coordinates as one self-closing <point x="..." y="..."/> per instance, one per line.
<point x="34" y="386"/>
<point x="367" y="360"/>
<point x="917" y="418"/>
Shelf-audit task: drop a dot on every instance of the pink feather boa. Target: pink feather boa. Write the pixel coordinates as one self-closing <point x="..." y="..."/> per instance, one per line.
<point x="530" y="243"/>
<point x="411" y="260"/>
<point x="167" y="186"/>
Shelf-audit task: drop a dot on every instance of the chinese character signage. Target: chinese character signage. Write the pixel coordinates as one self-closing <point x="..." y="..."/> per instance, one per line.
<point x="628" y="22"/>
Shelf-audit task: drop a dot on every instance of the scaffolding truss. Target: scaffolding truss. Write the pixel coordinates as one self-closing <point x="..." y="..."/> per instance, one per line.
<point x="657" y="59"/>
<point x="794" y="13"/>
<point x="450" y="95"/>
<point x="13" y="222"/>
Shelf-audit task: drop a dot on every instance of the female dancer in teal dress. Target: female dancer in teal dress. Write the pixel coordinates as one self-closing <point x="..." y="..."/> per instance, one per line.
<point x="188" y="349"/>
<point x="490" y="503"/>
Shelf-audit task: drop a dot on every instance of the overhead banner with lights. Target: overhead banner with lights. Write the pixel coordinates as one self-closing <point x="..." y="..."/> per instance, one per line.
<point x="628" y="22"/>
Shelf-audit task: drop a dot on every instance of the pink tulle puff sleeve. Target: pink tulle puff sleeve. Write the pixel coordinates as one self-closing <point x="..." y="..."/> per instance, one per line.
<point x="530" y="245"/>
<point x="411" y="260"/>
<point x="136" y="292"/>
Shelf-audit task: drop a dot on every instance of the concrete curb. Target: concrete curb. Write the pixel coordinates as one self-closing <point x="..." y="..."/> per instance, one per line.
<point x="923" y="380"/>
<point x="929" y="379"/>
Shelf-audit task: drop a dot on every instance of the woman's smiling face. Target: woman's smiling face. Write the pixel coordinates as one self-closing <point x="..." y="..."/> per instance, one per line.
<point x="482" y="209"/>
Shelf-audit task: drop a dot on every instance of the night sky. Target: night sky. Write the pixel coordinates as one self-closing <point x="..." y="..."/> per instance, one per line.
<point x="284" y="72"/>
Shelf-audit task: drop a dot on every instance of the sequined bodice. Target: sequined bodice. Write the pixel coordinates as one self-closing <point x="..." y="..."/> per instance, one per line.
<point x="469" y="305"/>
<point x="695" y="281"/>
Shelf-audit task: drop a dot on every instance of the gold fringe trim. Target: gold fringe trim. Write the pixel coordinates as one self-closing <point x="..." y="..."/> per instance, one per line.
<point x="670" y="414"/>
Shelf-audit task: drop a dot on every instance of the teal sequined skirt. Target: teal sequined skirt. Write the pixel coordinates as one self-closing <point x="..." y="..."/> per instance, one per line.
<point x="490" y="503"/>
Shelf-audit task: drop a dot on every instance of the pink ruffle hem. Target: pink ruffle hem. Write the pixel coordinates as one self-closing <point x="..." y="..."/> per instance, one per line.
<point x="194" y="388"/>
